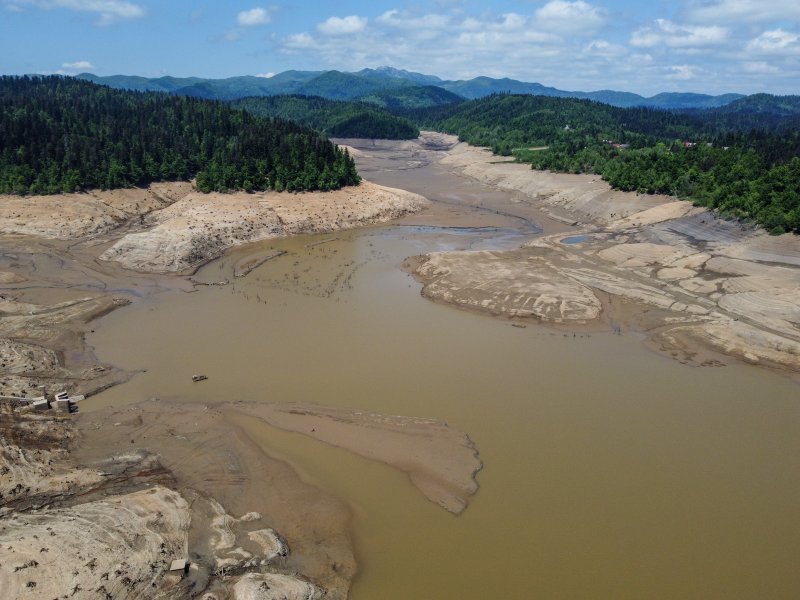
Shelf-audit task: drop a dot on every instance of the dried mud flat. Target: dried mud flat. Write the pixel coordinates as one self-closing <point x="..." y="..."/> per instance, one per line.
<point x="109" y="522"/>
<point x="702" y="288"/>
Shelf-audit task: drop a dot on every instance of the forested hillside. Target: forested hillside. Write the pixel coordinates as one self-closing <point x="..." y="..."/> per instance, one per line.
<point x="763" y="112"/>
<point x="62" y="134"/>
<point x="712" y="157"/>
<point x="332" y="118"/>
<point x="336" y="85"/>
<point x="412" y="97"/>
<point x="507" y="121"/>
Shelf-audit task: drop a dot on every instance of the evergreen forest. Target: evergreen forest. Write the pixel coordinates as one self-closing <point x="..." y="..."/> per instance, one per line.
<point x="60" y="134"/>
<point x="742" y="159"/>
<point x="331" y="117"/>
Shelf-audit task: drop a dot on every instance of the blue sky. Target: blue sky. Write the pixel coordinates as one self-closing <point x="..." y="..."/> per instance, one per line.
<point x="710" y="46"/>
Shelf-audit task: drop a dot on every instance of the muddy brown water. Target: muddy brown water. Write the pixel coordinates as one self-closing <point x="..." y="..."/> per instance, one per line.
<point x="610" y="471"/>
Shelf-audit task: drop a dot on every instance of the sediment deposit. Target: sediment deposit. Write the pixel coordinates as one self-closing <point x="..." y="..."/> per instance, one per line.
<point x="112" y="521"/>
<point x="114" y="548"/>
<point x="440" y="461"/>
<point x="200" y="227"/>
<point x="695" y="283"/>
<point x="72" y="216"/>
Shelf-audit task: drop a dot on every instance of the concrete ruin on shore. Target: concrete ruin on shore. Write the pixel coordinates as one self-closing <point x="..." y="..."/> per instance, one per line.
<point x="61" y="401"/>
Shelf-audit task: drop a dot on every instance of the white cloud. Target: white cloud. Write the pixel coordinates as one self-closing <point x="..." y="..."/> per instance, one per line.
<point x="254" y="17"/>
<point x="342" y="25"/>
<point x="683" y="72"/>
<point x="232" y="35"/>
<point x="743" y="10"/>
<point x="394" y="18"/>
<point x="537" y="37"/>
<point x="759" y="66"/>
<point x="555" y="46"/>
<point x="81" y="65"/>
<point x="299" y="41"/>
<point x="108" y="11"/>
<point x="605" y="48"/>
<point x="673" y="35"/>
<point x="246" y="19"/>
<point x="265" y="75"/>
<point x="511" y="21"/>
<point x="776" y="41"/>
<point x="570" y="17"/>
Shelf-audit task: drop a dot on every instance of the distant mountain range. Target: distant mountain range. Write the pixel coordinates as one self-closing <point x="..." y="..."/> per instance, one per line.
<point x="384" y="85"/>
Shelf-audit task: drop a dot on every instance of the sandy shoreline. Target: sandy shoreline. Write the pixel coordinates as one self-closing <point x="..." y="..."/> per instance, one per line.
<point x="700" y="287"/>
<point x="200" y="227"/>
<point x="171" y="228"/>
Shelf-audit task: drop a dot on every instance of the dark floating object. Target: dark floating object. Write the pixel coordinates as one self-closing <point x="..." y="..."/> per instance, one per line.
<point x="199" y="378"/>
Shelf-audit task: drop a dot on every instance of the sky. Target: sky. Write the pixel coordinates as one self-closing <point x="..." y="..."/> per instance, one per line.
<point x="650" y="46"/>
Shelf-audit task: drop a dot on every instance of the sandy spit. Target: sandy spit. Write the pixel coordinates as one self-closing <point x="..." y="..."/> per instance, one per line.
<point x="441" y="462"/>
<point x="253" y="513"/>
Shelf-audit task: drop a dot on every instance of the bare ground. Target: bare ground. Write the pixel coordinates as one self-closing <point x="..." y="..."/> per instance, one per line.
<point x="111" y="526"/>
<point x="700" y="286"/>
<point x="103" y="503"/>
<point x="200" y="227"/>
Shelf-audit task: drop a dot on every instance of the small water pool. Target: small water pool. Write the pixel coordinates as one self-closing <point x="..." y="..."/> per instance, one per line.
<point x="575" y="239"/>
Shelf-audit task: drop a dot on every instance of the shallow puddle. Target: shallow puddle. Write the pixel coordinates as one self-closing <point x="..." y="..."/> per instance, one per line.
<point x="574" y="239"/>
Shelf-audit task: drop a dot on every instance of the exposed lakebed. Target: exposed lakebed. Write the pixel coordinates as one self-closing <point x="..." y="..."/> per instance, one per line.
<point x="610" y="471"/>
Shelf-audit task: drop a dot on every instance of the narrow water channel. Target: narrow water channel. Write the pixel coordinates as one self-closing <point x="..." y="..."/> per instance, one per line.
<point x="610" y="472"/>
